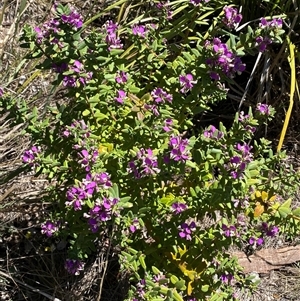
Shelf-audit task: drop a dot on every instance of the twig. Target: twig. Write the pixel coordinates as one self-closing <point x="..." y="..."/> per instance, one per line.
<point x="104" y="271"/>
<point x="249" y="81"/>
<point x="30" y="287"/>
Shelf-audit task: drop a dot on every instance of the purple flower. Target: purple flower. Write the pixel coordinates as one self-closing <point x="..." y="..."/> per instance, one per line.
<point x="222" y="60"/>
<point x="273" y="24"/>
<point x="103" y="179"/>
<point x="144" y="165"/>
<point x="112" y="39"/>
<point x="179" y="151"/>
<point x="264" y="109"/>
<point x="197" y="2"/>
<point x="186" y="230"/>
<point x="259" y="241"/>
<point x="74" y="19"/>
<point x="232" y="18"/>
<point x="186" y="82"/>
<point x="74" y="266"/>
<point x="30" y="156"/>
<point x="87" y="159"/>
<point x="102" y="212"/>
<point x="141" y="289"/>
<point x="214" y="75"/>
<point x="227" y="278"/>
<point x="152" y="108"/>
<point x="161" y="96"/>
<point x="213" y="133"/>
<point x="60" y="68"/>
<point x="121" y="77"/>
<point x="270" y="231"/>
<point x="75" y="196"/>
<point x="168" y="124"/>
<point x="139" y="30"/>
<point x="177" y="207"/>
<point x="1" y="92"/>
<point x="253" y="241"/>
<point x="49" y="228"/>
<point x="229" y="231"/>
<point x="134" y="226"/>
<point x="165" y="8"/>
<point x="69" y="81"/>
<point x="262" y="43"/>
<point x="244" y="149"/>
<point x="121" y="96"/>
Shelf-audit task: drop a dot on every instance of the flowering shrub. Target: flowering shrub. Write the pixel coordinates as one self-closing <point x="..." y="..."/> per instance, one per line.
<point x="121" y="164"/>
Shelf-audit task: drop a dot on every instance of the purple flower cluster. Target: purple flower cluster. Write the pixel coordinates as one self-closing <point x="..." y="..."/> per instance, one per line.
<point x="121" y="77"/>
<point x="243" y="203"/>
<point x="74" y="266"/>
<point x="179" y="151"/>
<point x="77" y="126"/>
<point x="134" y="226"/>
<point x="229" y="231"/>
<point x="165" y="8"/>
<point x="269" y="29"/>
<point x="159" y="96"/>
<point x="87" y="159"/>
<point x="264" y="109"/>
<point x="111" y="38"/>
<point x="52" y="27"/>
<point x="256" y="241"/>
<point x="197" y="2"/>
<point x="227" y="278"/>
<point x="168" y="125"/>
<point x="74" y="20"/>
<point x="76" y="195"/>
<point x="213" y="133"/>
<point x="139" y="30"/>
<point x="178" y="207"/>
<point x="49" y="228"/>
<point x="30" y="156"/>
<point x="121" y="96"/>
<point x="223" y="60"/>
<point x="239" y="162"/>
<point x="186" y="82"/>
<point x="47" y="30"/>
<point x="141" y="285"/>
<point x="245" y="120"/>
<point x="144" y="165"/>
<point x="101" y="212"/>
<point x="270" y="231"/>
<point x="80" y="76"/>
<point x="185" y="230"/>
<point x="232" y="18"/>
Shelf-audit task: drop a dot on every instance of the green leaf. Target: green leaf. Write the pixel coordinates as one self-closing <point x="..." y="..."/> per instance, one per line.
<point x="204" y="288"/>
<point x="193" y="192"/>
<point x="155" y="270"/>
<point x="296" y="212"/>
<point x="284" y="212"/>
<point x="180" y="285"/>
<point x="100" y="116"/>
<point x="287" y="204"/>
<point x="86" y="112"/>
<point x="150" y="57"/>
<point x="177" y="297"/>
<point x="174" y="279"/>
<point x="142" y="261"/>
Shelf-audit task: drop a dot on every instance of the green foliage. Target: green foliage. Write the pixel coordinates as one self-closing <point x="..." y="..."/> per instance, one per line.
<point x="123" y="164"/>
